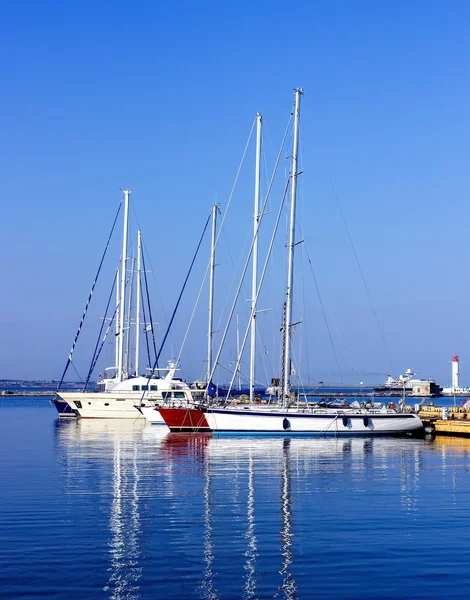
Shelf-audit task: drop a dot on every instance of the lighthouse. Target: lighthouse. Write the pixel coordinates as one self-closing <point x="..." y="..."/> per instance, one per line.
<point x="455" y="373"/>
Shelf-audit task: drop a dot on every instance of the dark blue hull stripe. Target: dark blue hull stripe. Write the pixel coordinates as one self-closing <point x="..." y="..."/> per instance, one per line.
<point x="242" y="433"/>
<point x="291" y="415"/>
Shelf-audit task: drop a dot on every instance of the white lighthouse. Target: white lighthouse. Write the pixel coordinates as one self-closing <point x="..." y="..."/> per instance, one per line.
<point x="455" y="389"/>
<point x="455" y="373"/>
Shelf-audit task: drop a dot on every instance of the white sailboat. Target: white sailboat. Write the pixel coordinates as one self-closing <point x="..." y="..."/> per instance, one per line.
<point x="119" y="396"/>
<point x="289" y="416"/>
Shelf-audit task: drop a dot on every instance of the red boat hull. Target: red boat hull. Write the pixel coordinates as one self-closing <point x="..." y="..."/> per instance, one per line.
<point x="187" y="420"/>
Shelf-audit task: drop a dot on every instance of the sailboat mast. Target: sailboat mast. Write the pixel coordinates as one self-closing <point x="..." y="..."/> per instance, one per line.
<point x="254" y="281"/>
<point x="290" y="267"/>
<point x="137" y="302"/>
<point x="116" y="324"/>
<point x="211" y="295"/>
<point x="238" y="356"/>
<point x="129" y="311"/>
<point x="123" y="285"/>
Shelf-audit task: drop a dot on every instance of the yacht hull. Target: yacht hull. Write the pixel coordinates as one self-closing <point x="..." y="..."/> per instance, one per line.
<point x="282" y="422"/>
<point x="104" y="406"/>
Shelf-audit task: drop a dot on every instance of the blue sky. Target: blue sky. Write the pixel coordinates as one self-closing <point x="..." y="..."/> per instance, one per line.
<point x="99" y="96"/>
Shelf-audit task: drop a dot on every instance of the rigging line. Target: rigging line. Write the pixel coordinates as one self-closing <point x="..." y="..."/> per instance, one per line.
<point x="102" y="344"/>
<point x="235" y="183"/>
<point x="92" y="362"/>
<point x="235" y="269"/>
<point x="192" y="314"/>
<point x="151" y="270"/>
<point x="176" y="307"/>
<point x="343" y="345"/>
<point x="261" y="279"/>
<point x="69" y="360"/>
<point x="251" y="247"/>
<point x="304" y="309"/>
<point x="244" y="376"/>
<point x="77" y="373"/>
<point x="362" y="275"/>
<point x="149" y="306"/>
<point x="162" y="305"/>
<point x="221" y="227"/>
<point x="266" y="353"/>
<point x="145" y="321"/>
<point x="320" y="299"/>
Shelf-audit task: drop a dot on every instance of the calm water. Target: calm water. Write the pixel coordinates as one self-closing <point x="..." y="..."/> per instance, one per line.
<point x="108" y="509"/>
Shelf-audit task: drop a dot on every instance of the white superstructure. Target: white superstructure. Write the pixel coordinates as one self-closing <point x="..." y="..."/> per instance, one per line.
<point x="123" y="399"/>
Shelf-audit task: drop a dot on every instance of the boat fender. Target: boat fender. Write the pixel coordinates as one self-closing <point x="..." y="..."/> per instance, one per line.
<point x="365" y="420"/>
<point x="286" y="424"/>
<point x="345" y="421"/>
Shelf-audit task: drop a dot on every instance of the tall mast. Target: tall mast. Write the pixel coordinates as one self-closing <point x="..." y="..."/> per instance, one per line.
<point x="128" y="320"/>
<point x="137" y="304"/>
<point x="254" y="281"/>
<point x="211" y="295"/>
<point x="290" y="267"/>
<point x="116" y="337"/>
<point x="238" y="356"/>
<point x="123" y="285"/>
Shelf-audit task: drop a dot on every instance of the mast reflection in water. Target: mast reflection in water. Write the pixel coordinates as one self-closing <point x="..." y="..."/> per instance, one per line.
<point x="252" y="550"/>
<point x="287" y="588"/>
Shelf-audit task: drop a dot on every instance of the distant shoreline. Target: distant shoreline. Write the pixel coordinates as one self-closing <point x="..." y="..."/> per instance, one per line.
<point x="8" y="393"/>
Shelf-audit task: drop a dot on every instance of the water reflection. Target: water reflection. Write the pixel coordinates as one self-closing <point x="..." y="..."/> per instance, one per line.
<point x="250" y="535"/>
<point x="223" y="504"/>
<point x="208" y="589"/>
<point x="287" y="587"/>
<point x="114" y="447"/>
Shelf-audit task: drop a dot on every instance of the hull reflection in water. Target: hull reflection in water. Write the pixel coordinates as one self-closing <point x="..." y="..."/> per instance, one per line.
<point x="197" y="516"/>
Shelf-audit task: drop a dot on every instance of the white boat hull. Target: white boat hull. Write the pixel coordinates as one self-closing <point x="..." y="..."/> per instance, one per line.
<point x="105" y="405"/>
<point x="281" y="422"/>
<point x="152" y="415"/>
<point x="237" y="421"/>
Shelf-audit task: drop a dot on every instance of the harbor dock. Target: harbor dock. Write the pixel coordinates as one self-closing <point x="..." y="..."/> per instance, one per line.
<point x="452" y="420"/>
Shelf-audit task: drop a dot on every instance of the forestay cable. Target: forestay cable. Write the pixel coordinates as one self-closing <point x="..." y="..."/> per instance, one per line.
<point x="362" y="276"/>
<point x="96" y="352"/>
<point x="69" y="360"/>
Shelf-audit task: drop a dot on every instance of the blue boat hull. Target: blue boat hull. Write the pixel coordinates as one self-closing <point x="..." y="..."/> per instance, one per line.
<point x="63" y="408"/>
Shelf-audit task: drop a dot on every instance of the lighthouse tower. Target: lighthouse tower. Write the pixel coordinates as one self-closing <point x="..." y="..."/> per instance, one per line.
<point x="455" y="373"/>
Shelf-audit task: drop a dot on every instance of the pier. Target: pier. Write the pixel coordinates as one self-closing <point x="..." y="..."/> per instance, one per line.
<point x="452" y="420"/>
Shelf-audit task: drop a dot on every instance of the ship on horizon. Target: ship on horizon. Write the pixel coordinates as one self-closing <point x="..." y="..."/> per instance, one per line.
<point x="408" y="385"/>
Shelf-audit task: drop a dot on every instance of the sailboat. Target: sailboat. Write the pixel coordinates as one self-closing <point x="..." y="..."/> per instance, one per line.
<point x="289" y="416"/>
<point x="119" y="396"/>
